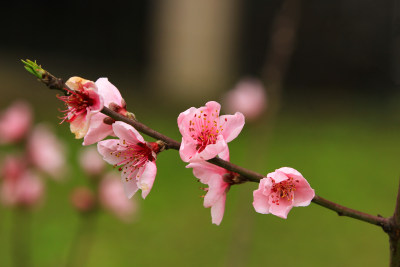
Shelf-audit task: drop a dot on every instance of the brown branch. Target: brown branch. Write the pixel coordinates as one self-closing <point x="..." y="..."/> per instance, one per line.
<point x="344" y="211"/>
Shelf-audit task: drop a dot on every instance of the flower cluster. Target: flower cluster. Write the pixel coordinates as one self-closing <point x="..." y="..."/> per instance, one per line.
<point x="133" y="156"/>
<point x="205" y="135"/>
<point x="41" y="154"/>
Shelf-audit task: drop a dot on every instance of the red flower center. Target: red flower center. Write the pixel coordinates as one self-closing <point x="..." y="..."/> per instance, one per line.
<point x="77" y="102"/>
<point x="134" y="156"/>
<point x="284" y="189"/>
<point x="204" y="129"/>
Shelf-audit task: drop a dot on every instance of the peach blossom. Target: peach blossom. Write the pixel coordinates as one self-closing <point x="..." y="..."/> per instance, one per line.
<point x="46" y="151"/>
<point x="282" y="190"/>
<point x="91" y="161"/>
<point x="20" y="187"/>
<point x="205" y="133"/>
<point x="82" y="101"/>
<point x="247" y="97"/>
<point x="135" y="156"/>
<point x="15" y="122"/>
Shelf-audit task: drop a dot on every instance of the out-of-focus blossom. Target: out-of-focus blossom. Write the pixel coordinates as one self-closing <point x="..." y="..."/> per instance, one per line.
<point x="83" y="199"/>
<point x="15" y="122"/>
<point x="22" y="187"/>
<point x="216" y="178"/>
<point x="135" y="156"/>
<point x="46" y="152"/>
<point x="82" y="102"/>
<point x="248" y="97"/>
<point x="112" y="98"/>
<point x="282" y="190"/>
<point x="205" y="134"/>
<point x="91" y="161"/>
<point x="111" y="194"/>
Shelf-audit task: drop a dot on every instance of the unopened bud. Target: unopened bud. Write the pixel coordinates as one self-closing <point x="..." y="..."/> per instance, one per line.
<point x="114" y="107"/>
<point x="130" y="115"/>
<point x="123" y="103"/>
<point x="83" y="199"/>
<point x="108" y="120"/>
<point x="233" y="178"/>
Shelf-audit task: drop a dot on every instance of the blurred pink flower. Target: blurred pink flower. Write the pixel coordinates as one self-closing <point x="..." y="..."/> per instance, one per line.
<point x="205" y="134"/>
<point x="15" y="122"/>
<point x="46" y="151"/>
<point x="98" y="130"/>
<point x="215" y="177"/>
<point x="247" y="97"/>
<point x="20" y="187"/>
<point x="112" y="198"/>
<point x="82" y="102"/>
<point x="136" y="157"/>
<point x="83" y="199"/>
<point x="91" y="161"/>
<point x="282" y="190"/>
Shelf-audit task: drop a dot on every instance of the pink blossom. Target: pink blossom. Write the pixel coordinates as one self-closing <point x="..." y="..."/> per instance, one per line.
<point x="282" y="190"/>
<point x="248" y="97"/>
<point x="216" y="178"/>
<point x="111" y="194"/>
<point x="46" y="151"/>
<point x="15" y="122"/>
<point x="135" y="156"/>
<point x="205" y="134"/>
<point x="82" y="102"/>
<point x="91" y="161"/>
<point x="98" y="130"/>
<point x="20" y="187"/>
<point x="83" y="199"/>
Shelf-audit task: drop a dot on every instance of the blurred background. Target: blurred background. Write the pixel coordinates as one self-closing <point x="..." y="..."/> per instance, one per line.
<point x="330" y="73"/>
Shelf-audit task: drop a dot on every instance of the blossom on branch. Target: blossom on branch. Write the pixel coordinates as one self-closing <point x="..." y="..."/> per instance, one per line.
<point x="217" y="179"/>
<point x="282" y="190"/>
<point x="112" y="98"/>
<point x="205" y="134"/>
<point x="82" y="101"/>
<point x="135" y="157"/>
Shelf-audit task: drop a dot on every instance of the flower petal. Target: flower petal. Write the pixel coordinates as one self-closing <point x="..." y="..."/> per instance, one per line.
<point x="282" y="209"/>
<point x="130" y="185"/>
<point x="232" y="125"/>
<point x="98" y="130"/>
<point x="126" y="132"/>
<point x="217" y="188"/>
<point x="147" y="178"/>
<point x="106" y="149"/>
<point x="260" y="202"/>
<point x="187" y="150"/>
<point x="218" y="210"/>
<point x="80" y="125"/>
<point x="304" y="194"/>
<point x="108" y="91"/>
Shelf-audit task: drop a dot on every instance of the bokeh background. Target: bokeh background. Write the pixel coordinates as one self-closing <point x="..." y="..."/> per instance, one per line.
<point x="331" y="71"/>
